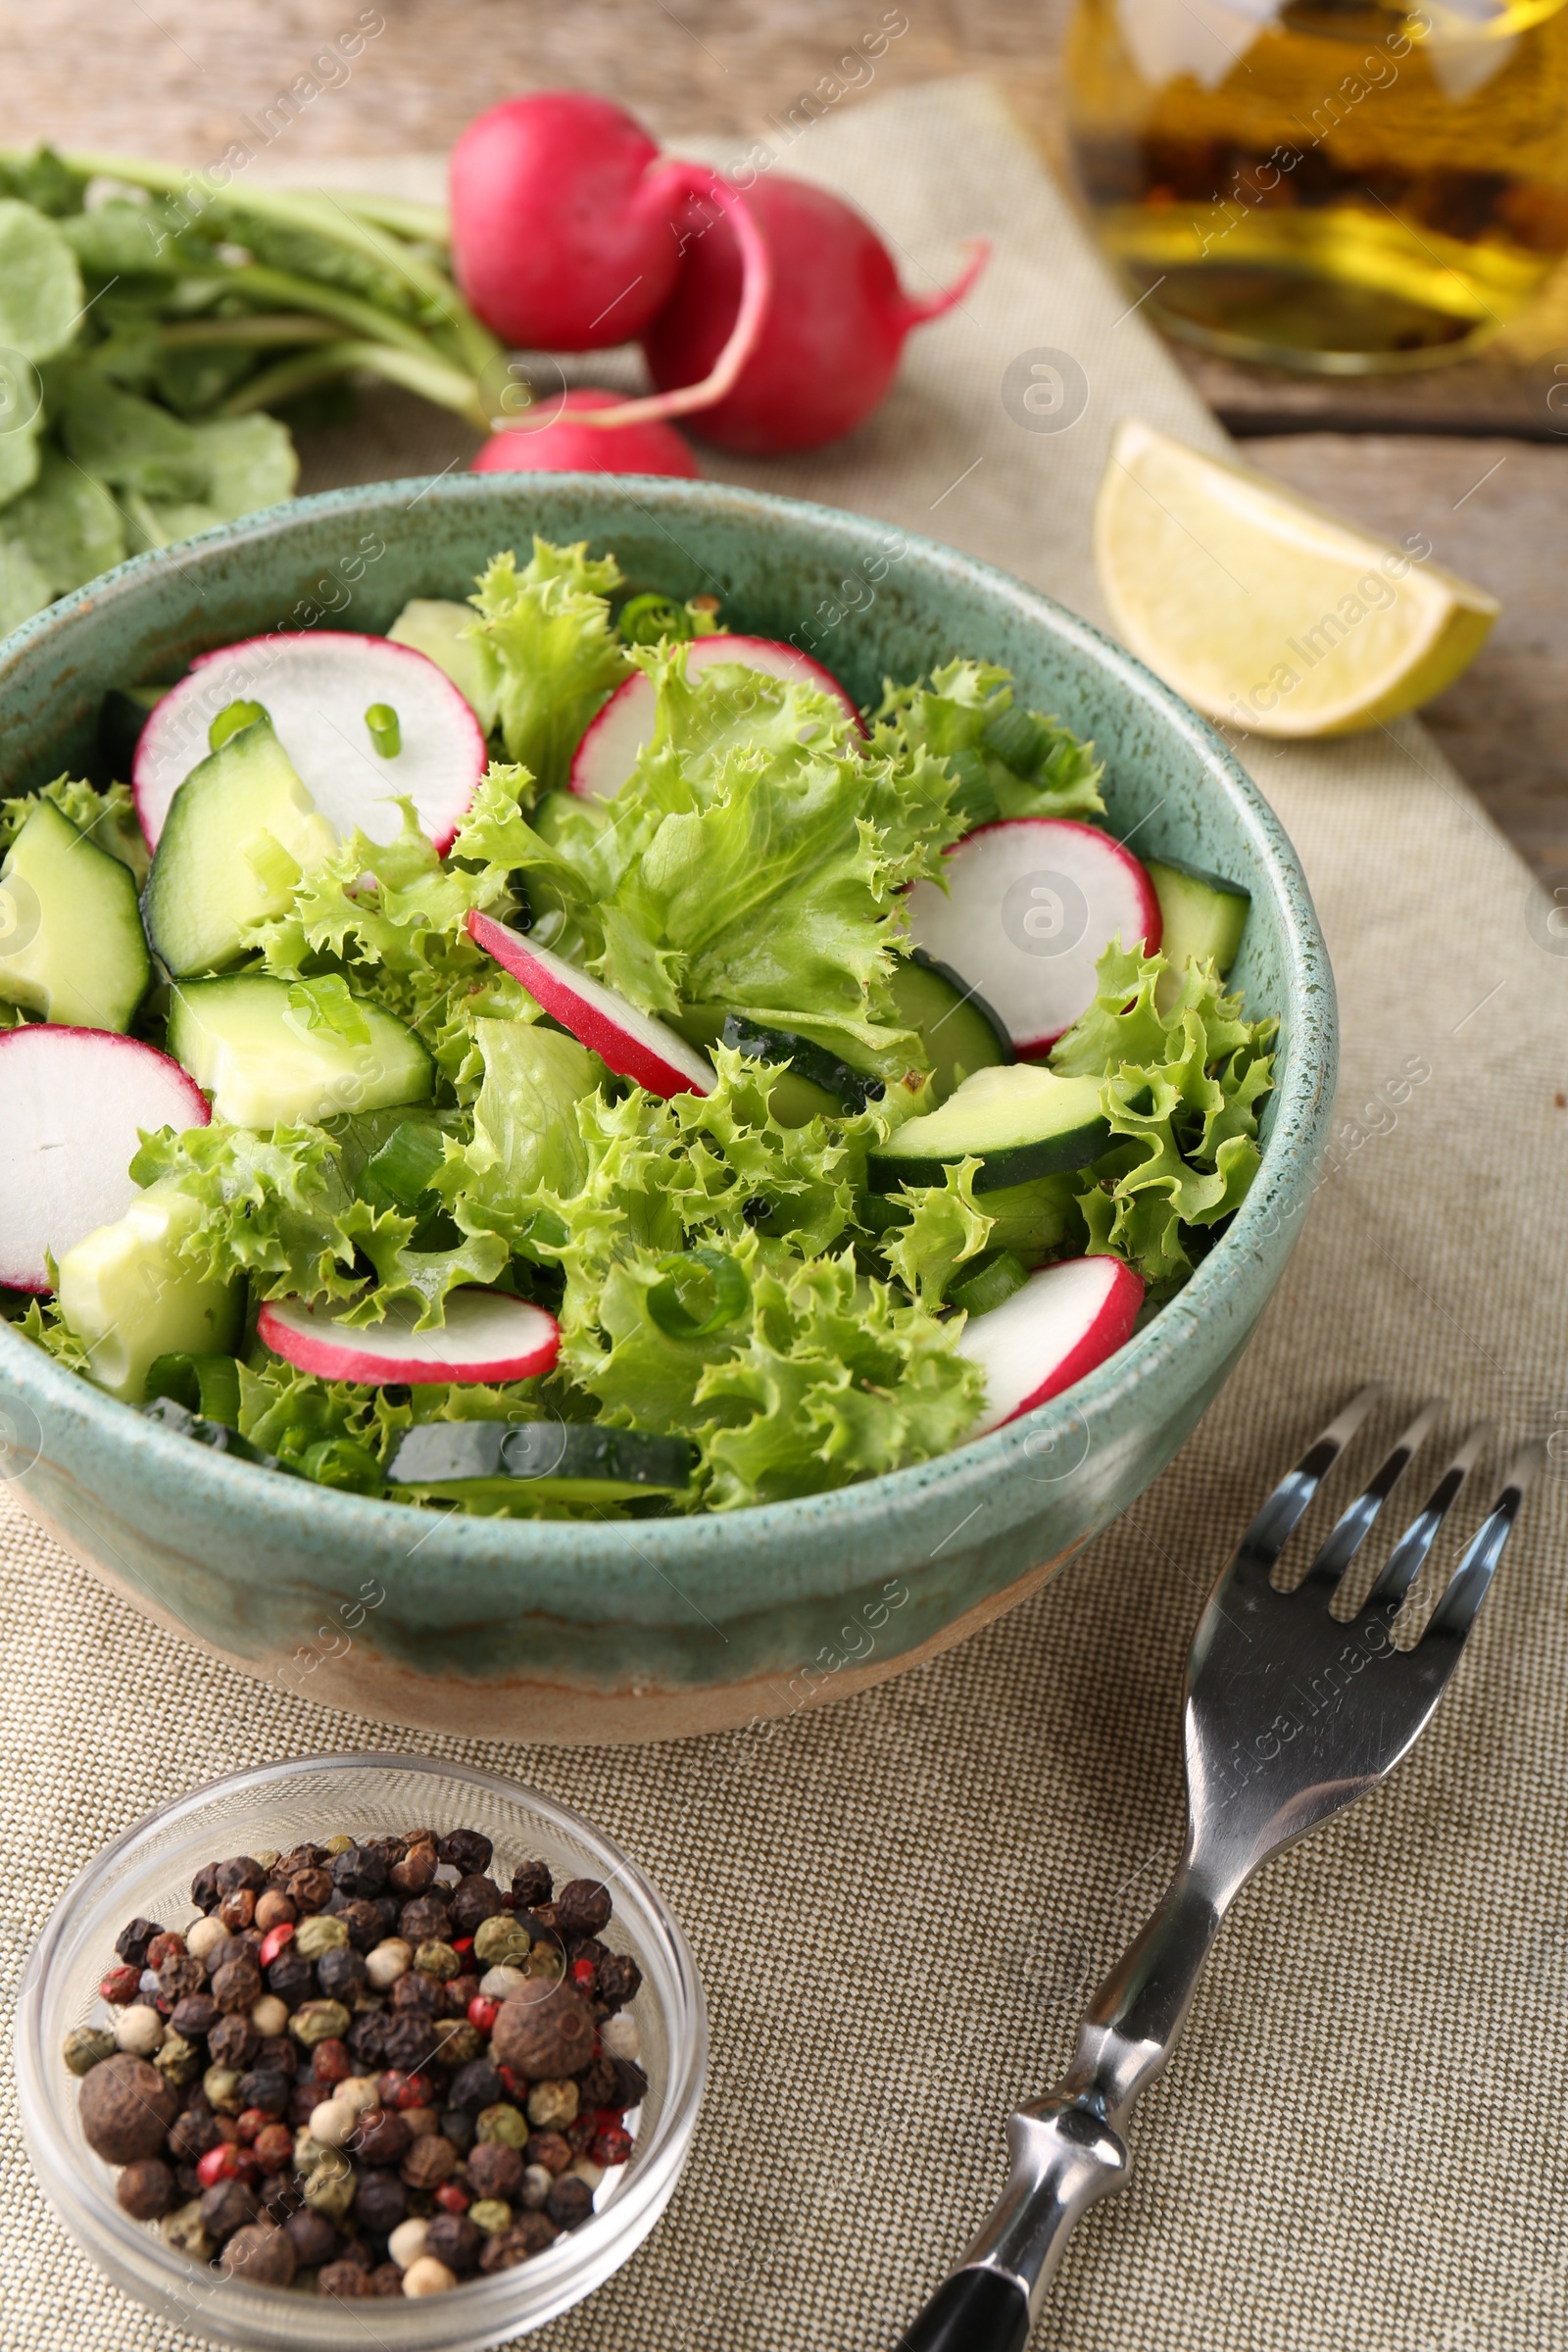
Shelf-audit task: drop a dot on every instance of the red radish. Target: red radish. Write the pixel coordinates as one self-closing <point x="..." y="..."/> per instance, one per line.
<point x="603" y="759"/>
<point x="487" y="1334"/>
<point x="565" y="234"/>
<point x="1031" y="906"/>
<point x="564" y="447"/>
<point x="632" y="1043"/>
<point x="1065" y="1320"/>
<point x="72" y="1106"/>
<point x="834" y="328"/>
<point x="316" y="685"/>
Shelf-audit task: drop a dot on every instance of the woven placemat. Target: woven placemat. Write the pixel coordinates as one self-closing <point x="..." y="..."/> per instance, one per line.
<point x="898" y="1903"/>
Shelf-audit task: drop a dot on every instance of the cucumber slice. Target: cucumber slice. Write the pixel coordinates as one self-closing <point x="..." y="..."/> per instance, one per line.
<point x="817" y="1078"/>
<point x="1201" y="916"/>
<point x="130" y="1297"/>
<point x="219" y="1437"/>
<point x="266" y="1054"/>
<point x="240" y="831"/>
<point x="71" y="937"/>
<point x="1019" y="1121"/>
<point x="957" y="1027"/>
<point x="445" y="634"/>
<point x="545" y="1461"/>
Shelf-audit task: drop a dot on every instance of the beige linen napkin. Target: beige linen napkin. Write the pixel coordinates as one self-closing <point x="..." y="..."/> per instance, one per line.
<point x="898" y="1903"/>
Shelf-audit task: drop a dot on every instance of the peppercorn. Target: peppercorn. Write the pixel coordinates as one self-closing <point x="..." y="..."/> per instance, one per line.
<point x="414" y="1873"/>
<point x="273" y="2146"/>
<point x="226" y="2207"/>
<point x="87" y="2047"/>
<point x="342" y="1975"/>
<point x="382" y="2202"/>
<point x="313" y="2237"/>
<point x="410" y="2041"/>
<point x="466" y="1850"/>
<point x="180" y="1975"/>
<point x="359" y="1870"/>
<point x="569" y="2202"/>
<point x="620" y="2038"/>
<point x="204" y="1887"/>
<point x="499" y="1940"/>
<point x="320" y="1935"/>
<point x="237" y="1910"/>
<point x="194" y="2016"/>
<point x="232" y="2041"/>
<point x="344" y="2280"/>
<point x="276" y="2053"/>
<point x="274" y="1909"/>
<point x="331" y="2187"/>
<point x="203" y="1938"/>
<point x="582" y="1907"/>
<point x="237" y="1987"/>
<point x="454" y="2240"/>
<point x="457" y="2125"/>
<point x="529" y="2235"/>
<point x="132" y="1940"/>
<point x="414" y="1994"/>
<point x="495" y="2168"/>
<point x="261" y="2254"/>
<point x="241" y="1870"/>
<point x="291" y="1977"/>
<point x="126" y="2108"/>
<point x="383" y="2137"/>
<point x="120" y="1986"/>
<point x="531" y="1884"/>
<point x="502" y="2122"/>
<point x="631" y="2085"/>
<point x="549" y="2149"/>
<point x="457" y="1992"/>
<point x="553" y="2036"/>
<point x="476" y="2085"/>
<point x="430" y="2160"/>
<point x="167" y="1944"/>
<point x="553" y="2104"/>
<point x="473" y="1901"/>
<point x="489" y="2214"/>
<point x="318" y="2021"/>
<point x="438" y="1960"/>
<point x="265" y="2089"/>
<point x="367" y="2041"/>
<point x="179" y="2059"/>
<point x="388" y="2279"/>
<point x="387" y="1961"/>
<point x="310" y="1890"/>
<point x="457" y="2045"/>
<point x="536" y="2186"/>
<point x="183" y="2230"/>
<point x="425" y="1920"/>
<point x="367" y="1922"/>
<point x="547" y="1962"/>
<point x="147" y="2190"/>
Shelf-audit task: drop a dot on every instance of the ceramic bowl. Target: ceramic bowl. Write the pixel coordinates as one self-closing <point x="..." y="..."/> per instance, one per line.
<point x="595" y="1633"/>
<point x="147" y="1873"/>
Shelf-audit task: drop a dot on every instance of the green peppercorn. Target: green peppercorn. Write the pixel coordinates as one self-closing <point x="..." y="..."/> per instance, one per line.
<point x="87" y="2047"/>
<point x="221" y="2086"/>
<point x="499" y="1939"/>
<point x="185" y="2230"/>
<point x="504" y="2122"/>
<point x="320" y="1935"/>
<point x="318" y="2021"/>
<point x="338" y="1845"/>
<point x="330" y="2189"/>
<point x="552" y="2106"/>
<point x="179" y="2061"/>
<point x="438" y="1960"/>
<point x="490" y="2213"/>
<point x="458" y="2046"/>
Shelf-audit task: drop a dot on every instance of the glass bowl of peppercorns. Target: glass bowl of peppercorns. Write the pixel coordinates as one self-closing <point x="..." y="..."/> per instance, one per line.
<point x="360" y="2031"/>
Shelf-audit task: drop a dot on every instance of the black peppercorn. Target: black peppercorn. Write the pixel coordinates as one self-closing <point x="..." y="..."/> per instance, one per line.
<point x="548" y="2150"/>
<point x="414" y="1994"/>
<point x="380" y="2202"/>
<point x="474" y="1899"/>
<point x="194" y="2016"/>
<point x="631" y="2085"/>
<point x="192" y="2134"/>
<point x="310" y="1890"/>
<point x="458" y="2126"/>
<point x="528" y="2235"/>
<point x="262" y="2254"/>
<point x="385" y="2279"/>
<point x="368" y="2042"/>
<point x="204" y="1887"/>
<point x="369" y="1922"/>
<point x="264" y="2089"/>
<point x="232" y="2040"/>
<point x="179" y="1975"/>
<point x="596" y="2087"/>
<point x="383" y="2137"/>
<point x="298" y="1857"/>
<point x="343" y="2279"/>
<point x="410" y="2044"/>
<point x="430" y="2160"/>
<point x="531" y="1884"/>
<point x="226" y="2207"/>
<point x="456" y="1994"/>
<point x="570" y="2201"/>
<point x="132" y="1940"/>
<point x="147" y="2189"/>
<point x="359" y="1870"/>
<point x="617" y="1980"/>
<point x="279" y="2055"/>
<point x="341" y="1974"/>
<point x="313" y="2237"/>
<point x="453" y="2239"/>
<point x="477" y="2086"/>
<point x="582" y="1907"/>
<point x="425" y="1920"/>
<point x="390" y="1850"/>
<point x="240" y="1870"/>
<point x="418" y="1866"/>
<point x="237" y="1987"/>
<point x="468" y="1850"/>
<point x="495" y="2169"/>
<point x="292" y="1977"/>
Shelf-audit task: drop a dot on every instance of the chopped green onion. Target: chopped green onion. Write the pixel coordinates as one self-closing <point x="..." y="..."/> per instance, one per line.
<point x="339" y="1463"/>
<point x="399" y="1174"/>
<point x="232" y="718"/>
<point x="385" y="733"/>
<point x="647" y="619"/>
<point x="273" y="868"/>
<point x="988" y="1282"/>
<point x="208" y="1385"/>
<point x="701" y="1293"/>
<point x="326" y="1003"/>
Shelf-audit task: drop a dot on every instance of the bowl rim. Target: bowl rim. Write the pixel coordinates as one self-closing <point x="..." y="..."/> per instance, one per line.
<point x="1302" y="1102"/>
<point x="89" y="2211"/>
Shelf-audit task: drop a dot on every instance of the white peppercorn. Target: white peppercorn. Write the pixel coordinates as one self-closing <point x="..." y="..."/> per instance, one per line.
<point x="140" y="2031"/>
<point x="428" y="2276"/>
<point x="387" y="1961"/>
<point x="407" y="2242"/>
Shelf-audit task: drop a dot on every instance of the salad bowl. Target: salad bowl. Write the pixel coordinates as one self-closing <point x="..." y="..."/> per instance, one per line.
<point x="586" y="1630"/>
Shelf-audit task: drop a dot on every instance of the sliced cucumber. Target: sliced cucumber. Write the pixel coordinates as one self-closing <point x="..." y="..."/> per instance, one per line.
<point x="961" y="1032"/>
<point x="265" y="1054"/>
<point x="219" y="1437"/>
<point x="443" y="633"/>
<point x="1019" y="1121"/>
<point x="240" y="831"/>
<point x="547" y="1462"/>
<point x="1031" y="1221"/>
<point x="130" y="1297"/>
<point x="818" y="1083"/>
<point x="1201" y="917"/>
<point x="71" y="937"/>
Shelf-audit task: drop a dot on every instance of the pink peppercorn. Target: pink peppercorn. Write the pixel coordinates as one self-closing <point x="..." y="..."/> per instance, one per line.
<point x="274" y="1941"/>
<point x="482" y="2012"/>
<point x="453" y="2199"/>
<point x="122" y="1986"/>
<point x="611" y="2145"/>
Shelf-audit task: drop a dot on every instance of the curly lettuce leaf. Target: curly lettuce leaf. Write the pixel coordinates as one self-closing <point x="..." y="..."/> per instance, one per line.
<point x="525" y="1138"/>
<point x="547" y="627"/>
<point x="1006" y="760"/>
<point x="1183" y="1090"/>
<point x="106" y="818"/>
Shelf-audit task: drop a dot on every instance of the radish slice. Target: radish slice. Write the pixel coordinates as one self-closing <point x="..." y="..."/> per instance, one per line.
<point x="632" y="1043"/>
<point x="604" y="757"/>
<point x="1065" y="1320"/>
<point x="72" y="1102"/>
<point x="487" y="1334"/>
<point x="316" y="685"/>
<point x="1031" y="906"/>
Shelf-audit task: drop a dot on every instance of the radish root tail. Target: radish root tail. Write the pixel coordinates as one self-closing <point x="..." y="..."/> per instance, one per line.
<point x="919" y="313"/>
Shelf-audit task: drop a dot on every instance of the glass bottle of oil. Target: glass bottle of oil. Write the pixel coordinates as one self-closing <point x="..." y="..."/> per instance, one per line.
<point x="1342" y="185"/>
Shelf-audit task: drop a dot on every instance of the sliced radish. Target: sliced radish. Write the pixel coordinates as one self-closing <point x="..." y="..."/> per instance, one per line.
<point x="316" y="685"/>
<point x="632" y="1043"/>
<point x="1065" y="1320"/>
<point x="72" y="1102"/>
<point x="487" y="1334"/>
<point x="604" y="757"/>
<point x="1032" y="903"/>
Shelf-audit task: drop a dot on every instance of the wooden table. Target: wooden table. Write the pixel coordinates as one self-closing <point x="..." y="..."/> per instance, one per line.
<point x="1470" y="455"/>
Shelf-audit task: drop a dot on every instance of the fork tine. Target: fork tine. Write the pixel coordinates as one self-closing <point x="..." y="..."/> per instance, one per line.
<point x="1354" y="1523"/>
<point x="1405" y="1561"/>
<point x="1467" y="1587"/>
<point x="1277" y="1521"/>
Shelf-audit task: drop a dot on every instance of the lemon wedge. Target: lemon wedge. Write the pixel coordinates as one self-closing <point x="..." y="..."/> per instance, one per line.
<point x="1264" y="610"/>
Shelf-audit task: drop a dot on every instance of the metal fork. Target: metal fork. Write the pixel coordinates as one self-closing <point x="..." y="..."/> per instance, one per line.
<point x="1292" y="1714"/>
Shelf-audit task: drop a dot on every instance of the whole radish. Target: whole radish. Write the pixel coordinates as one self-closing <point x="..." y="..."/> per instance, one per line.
<point x="832" y="332"/>
<point x="565" y="236"/>
<point x="564" y="446"/>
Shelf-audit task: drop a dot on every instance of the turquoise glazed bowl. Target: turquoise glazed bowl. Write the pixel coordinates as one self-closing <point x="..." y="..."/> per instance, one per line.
<point x="584" y="1633"/>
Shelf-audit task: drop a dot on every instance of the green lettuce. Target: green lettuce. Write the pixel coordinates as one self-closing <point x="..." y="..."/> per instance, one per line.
<point x="526" y="1136"/>
<point x="549" y="629"/>
<point x="1006" y="760"/>
<point x="106" y="818"/>
<point x="1184" y="1089"/>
